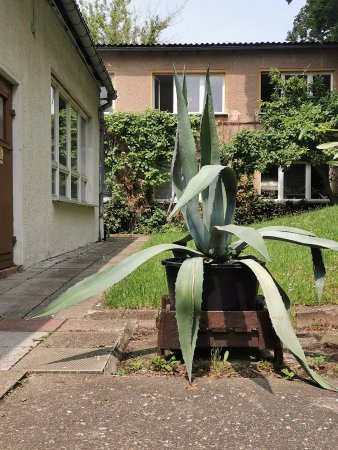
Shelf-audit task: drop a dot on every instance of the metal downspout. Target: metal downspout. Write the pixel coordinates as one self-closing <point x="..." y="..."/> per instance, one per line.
<point x="101" y="166"/>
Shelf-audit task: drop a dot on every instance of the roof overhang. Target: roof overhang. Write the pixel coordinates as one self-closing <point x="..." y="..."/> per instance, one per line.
<point x="68" y="11"/>
<point x="215" y="47"/>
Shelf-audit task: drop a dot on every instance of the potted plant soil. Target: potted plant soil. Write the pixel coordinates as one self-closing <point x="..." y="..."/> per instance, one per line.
<point x="206" y="196"/>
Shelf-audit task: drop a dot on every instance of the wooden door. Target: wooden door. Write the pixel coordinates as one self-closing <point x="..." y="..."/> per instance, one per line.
<point x="6" y="176"/>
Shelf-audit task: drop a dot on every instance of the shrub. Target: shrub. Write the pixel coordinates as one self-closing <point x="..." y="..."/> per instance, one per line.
<point x="138" y="151"/>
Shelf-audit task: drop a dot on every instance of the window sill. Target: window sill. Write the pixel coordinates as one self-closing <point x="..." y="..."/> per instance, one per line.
<point x="72" y="202"/>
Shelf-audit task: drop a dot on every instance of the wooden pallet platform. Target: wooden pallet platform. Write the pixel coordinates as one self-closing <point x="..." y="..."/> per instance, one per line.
<point x="239" y="329"/>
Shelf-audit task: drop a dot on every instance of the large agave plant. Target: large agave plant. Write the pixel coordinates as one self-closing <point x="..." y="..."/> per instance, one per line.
<point x="212" y="231"/>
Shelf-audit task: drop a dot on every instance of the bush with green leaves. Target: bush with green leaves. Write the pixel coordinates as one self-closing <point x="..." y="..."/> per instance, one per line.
<point x="212" y="230"/>
<point x="138" y="151"/>
<point x="298" y="118"/>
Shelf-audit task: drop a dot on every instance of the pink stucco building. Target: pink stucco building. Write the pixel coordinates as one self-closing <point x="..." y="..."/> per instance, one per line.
<point x="143" y="77"/>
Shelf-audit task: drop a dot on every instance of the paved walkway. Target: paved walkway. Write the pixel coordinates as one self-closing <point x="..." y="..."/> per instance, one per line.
<point x="66" y="402"/>
<point x="78" y="343"/>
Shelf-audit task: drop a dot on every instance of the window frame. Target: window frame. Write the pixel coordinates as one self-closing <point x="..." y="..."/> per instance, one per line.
<point x="79" y="173"/>
<point x="201" y="75"/>
<point x="280" y="181"/>
<point x="294" y="72"/>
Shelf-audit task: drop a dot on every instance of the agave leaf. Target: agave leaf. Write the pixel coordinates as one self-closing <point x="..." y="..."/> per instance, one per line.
<point x="222" y="202"/>
<point x="184" y="166"/>
<point x="101" y="281"/>
<point x="301" y="239"/>
<point x="239" y="246"/>
<point x="197" y="184"/>
<point x="209" y="137"/>
<point x="190" y="213"/>
<point x="247" y="234"/>
<point x="186" y="147"/>
<point x="188" y="293"/>
<point x="327" y="145"/>
<point x="287" y="229"/>
<point x="319" y="271"/>
<point x="280" y="319"/>
<point x="214" y="194"/>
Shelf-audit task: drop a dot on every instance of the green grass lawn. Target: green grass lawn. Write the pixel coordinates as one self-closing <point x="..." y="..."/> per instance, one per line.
<point x="290" y="264"/>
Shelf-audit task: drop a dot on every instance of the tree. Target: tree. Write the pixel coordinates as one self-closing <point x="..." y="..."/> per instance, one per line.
<point x="115" y="22"/>
<point x="317" y="21"/>
<point x="295" y="121"/>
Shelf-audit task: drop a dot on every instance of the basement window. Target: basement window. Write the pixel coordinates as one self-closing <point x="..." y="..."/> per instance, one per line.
<point x="300" y="181"/>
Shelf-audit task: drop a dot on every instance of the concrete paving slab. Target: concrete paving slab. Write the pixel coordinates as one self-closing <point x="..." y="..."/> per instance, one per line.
<point x="9" y="379"/>
<point x="79" y="360"/>
<point x="128" y="413"/>
<point x="94" y="325"/>
<point x="20" y="338"/>
<point x="43" y="324"/>
<point x="15" y="345"/>
<point x="83" y="339"/>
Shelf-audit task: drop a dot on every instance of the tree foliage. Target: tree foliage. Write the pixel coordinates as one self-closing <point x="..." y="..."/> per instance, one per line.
<point x="115" y="22"/>
<point x="295" y="121"/>
<point x="317" y="21"/>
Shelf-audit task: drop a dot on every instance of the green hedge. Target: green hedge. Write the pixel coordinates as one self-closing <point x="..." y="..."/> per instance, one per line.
<point x="138" y="152"/>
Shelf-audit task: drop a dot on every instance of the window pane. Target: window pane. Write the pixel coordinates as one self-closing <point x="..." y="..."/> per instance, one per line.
<point x="53" y="182"/>
<point x="266" y="88"/>
<point x="317" y="185"/>
<point x="164" y="92"/>
<point x="52" y="124"/>
<point x="83" y="146"/>
<point x="216" y="82"/>
<point x="83" y="191"/>
<point x="294" y="182"/>
<point x="62" y="184"/>
<point x="321" y="85"/>
<point x="74" y="183"/>
<point x="73" y="138"/>
<point x="269" y="183"/>
<point x="2" y="121"/>
<point x="193" y="90"/>
<point x="62" y="131"/>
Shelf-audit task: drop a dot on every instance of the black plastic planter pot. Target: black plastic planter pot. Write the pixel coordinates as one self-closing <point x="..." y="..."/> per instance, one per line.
<point x="226" y="287"/>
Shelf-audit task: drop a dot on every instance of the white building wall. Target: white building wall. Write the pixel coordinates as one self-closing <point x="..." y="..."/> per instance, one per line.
<point x="44" y="228"/>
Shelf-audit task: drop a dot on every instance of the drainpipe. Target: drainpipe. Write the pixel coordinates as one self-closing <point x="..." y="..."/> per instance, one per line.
<point x="102" y="108"/>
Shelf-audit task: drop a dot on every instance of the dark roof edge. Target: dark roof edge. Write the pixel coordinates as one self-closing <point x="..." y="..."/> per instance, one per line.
<point x="79" y="30"/>
<point x="218" y="46"/>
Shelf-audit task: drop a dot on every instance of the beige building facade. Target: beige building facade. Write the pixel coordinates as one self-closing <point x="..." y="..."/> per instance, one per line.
<point x="143" y="77"/>
<point x="49" y="131"/>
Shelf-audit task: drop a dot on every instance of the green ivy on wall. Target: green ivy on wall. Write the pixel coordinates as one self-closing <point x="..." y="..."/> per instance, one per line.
<point x="138" y="153"/>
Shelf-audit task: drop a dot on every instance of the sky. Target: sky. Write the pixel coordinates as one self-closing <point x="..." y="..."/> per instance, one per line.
<point x="211" y="21"/>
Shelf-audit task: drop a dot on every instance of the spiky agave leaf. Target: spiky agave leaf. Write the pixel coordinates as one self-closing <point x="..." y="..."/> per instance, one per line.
<point x="197" y="184"/>
<point x="101" y="281"/>
<point x="300" y="237"/>
<point x="188" y="294"/>
<point x="210" y="155"/>
<point x="184" y="166"/>
<point x="281" y="321"/>
<point x="248" y="235"/>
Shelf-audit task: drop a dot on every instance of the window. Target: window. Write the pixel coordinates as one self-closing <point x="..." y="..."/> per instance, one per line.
<point x="319" y="82"/>
<point x="69" y="128"/>
<point x="164" y="92"/>
<point x="300" y="181"/>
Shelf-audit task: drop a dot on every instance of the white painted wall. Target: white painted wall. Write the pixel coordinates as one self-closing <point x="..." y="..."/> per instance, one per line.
<point x="42" y="227"/>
